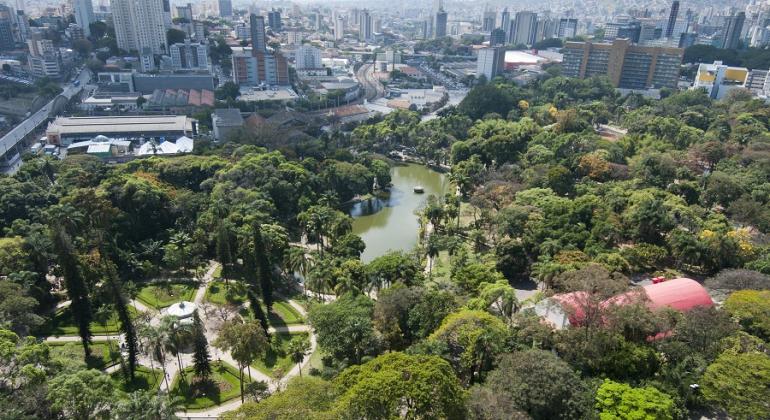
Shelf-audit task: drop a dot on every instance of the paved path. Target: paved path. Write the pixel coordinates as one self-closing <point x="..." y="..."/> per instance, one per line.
<point x="76" y="338"/>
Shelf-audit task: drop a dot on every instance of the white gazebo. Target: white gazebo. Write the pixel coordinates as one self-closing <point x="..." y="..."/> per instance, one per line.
<point x="182" y="310"/>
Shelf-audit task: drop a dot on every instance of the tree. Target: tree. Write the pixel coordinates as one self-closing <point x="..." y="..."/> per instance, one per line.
<point x="498" y="298"/>
<point x="486" y="99"/>
<point x="303" y="398"/>
<point x="141" y="405"/>
<point x="399" y="385"/>
<point x="77" y="290"/>
<point x="175" y="36"/>
<point x="228" y="91"/>
<point x="264" y="267"/>
<point x="17" y="310"/>
<point x="752" y="309"/>
<point x="82" y="395"/>
<point x="620" y="401"/>
<point x="155" y="341"/>
<point x="245" y="341"/>
<point x="344" y="327"/>
<point x="473" y="339"/>
<point x="201" y="357"/>
<point x="121" y="307"/>
<point x="223" y="250"/>
<point x="738" y="383"/>
<point x="391" y="315"/>
<point x="732" y="279"/>
<point x="298" y="348"/>
<point x="536" y="382"/>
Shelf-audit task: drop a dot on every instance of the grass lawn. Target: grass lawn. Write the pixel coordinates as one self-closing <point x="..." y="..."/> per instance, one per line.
<point x="273" y="360"/>
<point x="283" y="314"/>
<point x="223" y="385"/>
<point x="101" y="357"/>
<point x="161" y="296"/>
<point x="217" y="274"/>
<point x="62" y="323"/>
<point x="221" y="293"/>
<point x="144" y="379"/>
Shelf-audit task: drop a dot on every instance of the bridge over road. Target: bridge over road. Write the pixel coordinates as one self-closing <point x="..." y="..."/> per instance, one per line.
<point x="12" y="144"/>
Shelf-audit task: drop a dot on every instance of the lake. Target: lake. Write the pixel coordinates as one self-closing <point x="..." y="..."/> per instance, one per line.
<point x="390" y="224"/>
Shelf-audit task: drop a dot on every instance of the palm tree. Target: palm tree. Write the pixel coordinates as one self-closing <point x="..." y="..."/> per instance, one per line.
<point x="431" y="251"/>
<point x="175" y="332"/>
<point x="296" y="261"/>
<point x="155" y="340"/>
<point x="298" y="348"/>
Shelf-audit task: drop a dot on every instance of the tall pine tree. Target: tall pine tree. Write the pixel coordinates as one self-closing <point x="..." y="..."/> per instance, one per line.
<point x="121" y="306"/>
<point x="77" y="289"/>
<point x="201" y="357"/>
<point x="259" y="314"/>
<point x="224" y="251"/>
<point x="264" y="268"/>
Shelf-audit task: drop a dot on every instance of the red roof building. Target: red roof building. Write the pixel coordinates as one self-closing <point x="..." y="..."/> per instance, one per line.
<point x="681" y="294"/>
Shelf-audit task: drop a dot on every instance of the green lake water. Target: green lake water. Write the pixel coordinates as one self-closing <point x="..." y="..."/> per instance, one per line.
<point x="391" y="224"/>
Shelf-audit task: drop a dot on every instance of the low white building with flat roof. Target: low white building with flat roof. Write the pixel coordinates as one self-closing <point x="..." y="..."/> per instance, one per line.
<point x="64" y="131"/>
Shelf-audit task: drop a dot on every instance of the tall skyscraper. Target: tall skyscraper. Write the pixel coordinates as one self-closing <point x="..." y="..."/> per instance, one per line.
<point x="672" y="19"/>
<point x="490" y="62"/>
<point x="274" y="20"/>
<point x="364" y="25"/>
<point x="139" y="25"/>
<point x="488" y="21"/>
<point x="731" y="34"/>
<point x="439" y="28"/>
<point x="258" y="38"/>
<point x="567" y="28"/>
<point x="84" y="14"/>
<point x="6" y="28"/>
<point x="339" y="28"/>
<point x="524" y="28"/>
<point x="505" y="19"/>
<point x="225" y="8"/>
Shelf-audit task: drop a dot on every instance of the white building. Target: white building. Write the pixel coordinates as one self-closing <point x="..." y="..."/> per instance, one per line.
<point x="490" y="62"/>
<point x="295" y="37"/>
<point x="308" y="57"/>
<point x="84" y="14"/>
<point x="189" y="56"/>
<point x="140" y="24"/>
<point x="718" y="79"/>
<point x="339" y="28"/>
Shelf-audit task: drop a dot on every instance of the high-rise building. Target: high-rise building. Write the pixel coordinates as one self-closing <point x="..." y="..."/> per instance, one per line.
<point x="6" y="28"/>
<point x="43" y="59"/>
<point x="523" y="28"/>
<point x="22" y="27"/>
<point x="567" y="28"/>
<point x="258" y="65"/>
<point x="627" y="66"/>
<point x="308" y="57"/>
<point x="488" y="21"/>
<point x="274" y="20"/>
<point x="339" y="28"/>
<point x="546" y="29"/>
<point x="364" y="25"/>
<point x="497" y="37"/>
<point x="672" y="19"/>
<point x="226" y="8"/>
<point x="84" y="14"/>
<point x="439" y="28"/>
<point x="185" y="12"/>
<point x="189" y="56"/>
<point x="505" y="20"/>
<point x="490" y="62"/>
<point x="140" y="25"/>
<point x="631" y="29"/>
<point x="731" y="34"/>
<point x="258" y="37"/>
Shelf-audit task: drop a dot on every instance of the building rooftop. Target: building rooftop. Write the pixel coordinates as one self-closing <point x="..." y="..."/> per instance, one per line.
<point x="228" y="117"/>
<point x="120" y="124"/>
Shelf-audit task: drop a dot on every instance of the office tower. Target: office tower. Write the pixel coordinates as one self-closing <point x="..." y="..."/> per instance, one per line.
<point x="43" y="58"/>
<point x="497" y="37"/>
<point x="505" y="21"/>
<point x="189" y="56"/>
<point x="308" y="57"/>
<point x="6" y="28"/>
<point x="567" y="28"/>
<point x="22" y="26"/>
<point x="84" y="15"/>
<point x="185" y="12"/>
<point x="339" y="28"/>
<point x="425" y="29"/>
<point x="488" y="21"/>
<point x="490" y="62"/>
<point x="672" y="19"/>
<point x="627" y="66"/>
<point x="731" y="34"/>
<point x="630" y="30"/>
<point x="523" y="28"/>
<point x="139" y="25"/>
<point x="20" y="6"/>
<point x="546" y="29"/>
<point x="274" y="20"/>
<point x="364" y="25"/>
<point x="167" y="21"/>
<point x="439" y="28"/>
<point x="258" y="38"/>
<point x="225" y="8"/>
